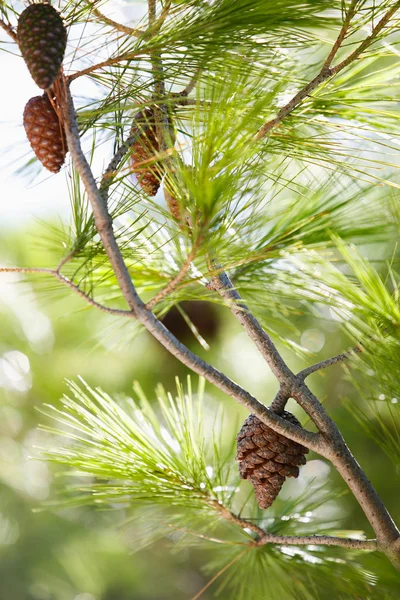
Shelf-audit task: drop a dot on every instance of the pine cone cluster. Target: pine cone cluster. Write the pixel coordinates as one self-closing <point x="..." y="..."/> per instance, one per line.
<point x="45" y="132"/>
<point x="42" y="39"/>
<point x="144" y="150"/>
<point x="266" y="458"/>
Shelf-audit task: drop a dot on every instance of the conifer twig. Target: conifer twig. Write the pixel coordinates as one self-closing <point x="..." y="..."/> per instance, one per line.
<point x="328" y="362"/>
<point x="106" y="63"/>
<point x="264" y="537"/>
<point x="191" y="85"/>
<point x="342" y="34"/>
<point x="328" y="442"/>
<point x="56" y="273"/>
<point x="173" y="283"/>
<point x="327" y="71"/>
<point x="318" y="540"/>
<point x="139" y="33"/>
<point x="8" y="28"/>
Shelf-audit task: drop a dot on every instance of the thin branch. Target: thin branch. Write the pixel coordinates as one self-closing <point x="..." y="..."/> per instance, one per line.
<point x="220" y="572"/>
<point x="263" y="537"/>
<point x="139" y="33"/>
<point x="191" y="85"/>
<point x="279" y="402"/>
<point x="328" y="362"/>
<point x="343" y="32"/>
<point x="288" y="381"/>
<point x="318" y="540"/>
<point x="206" y="537"/>
<point x="158" y="23"/>
<point x="55" y="273"/>
<point x="9" y="29"/>
<point x="176" y="280"/>
<point x="160" y="109"/>
<point x="368" y="40"/>
<point x="65" y="260"/>
<point x="106" y="63"/>
<point x="327" y="72"/>
<point x="111" y="170"/>
<point x="233" y="518"/>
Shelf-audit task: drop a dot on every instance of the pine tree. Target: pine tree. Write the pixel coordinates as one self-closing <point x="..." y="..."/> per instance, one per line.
<point x="274" y="138"/>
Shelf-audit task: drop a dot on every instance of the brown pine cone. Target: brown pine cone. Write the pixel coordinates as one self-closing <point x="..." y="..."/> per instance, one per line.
<point x="266" y="458"/>
<point x="42" y="39"/>
<point x="143" y="150"/>
<point x="45" y="132"/>
<point x="173" y="205"/>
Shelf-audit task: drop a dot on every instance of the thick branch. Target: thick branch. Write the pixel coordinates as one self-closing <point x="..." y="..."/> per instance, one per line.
<point x="327" y="71"/>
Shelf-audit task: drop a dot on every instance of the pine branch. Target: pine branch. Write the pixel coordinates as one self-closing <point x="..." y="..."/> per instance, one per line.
<point x="9" y="29"/>
<point x="328" y="442"/>
<point x="126" y="56"/>
<point x="318" y="540"/>
<point x="328" y="362"/>
<point x="263" y="537"/>
<point x="174" y="283"/>
<point x="56" y="273"/>
<point x="139" y="33"/>
<point x="327" y="71"/>
<point x="340" y="39"/>
<point x="287" y="379"/>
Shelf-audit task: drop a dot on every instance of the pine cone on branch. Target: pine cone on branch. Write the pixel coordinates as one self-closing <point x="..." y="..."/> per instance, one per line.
<point x="144" y="150"/>
<point x="45" y="132"/>
<point x="266" y="458"/>
<point x="42" y="39"/>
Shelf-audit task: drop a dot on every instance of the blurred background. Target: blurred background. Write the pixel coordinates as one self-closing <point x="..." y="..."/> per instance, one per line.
<point x="48" y="335"/>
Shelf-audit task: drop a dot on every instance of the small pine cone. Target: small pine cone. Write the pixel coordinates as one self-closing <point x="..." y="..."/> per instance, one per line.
<point x="173" y="205"/>
<point x="266" y="458"/>
<point x="45" y="132"/>
<point x="143" y="150"/>
<point x="42" y="39"/>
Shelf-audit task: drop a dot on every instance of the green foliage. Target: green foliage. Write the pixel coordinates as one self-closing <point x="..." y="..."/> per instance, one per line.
<point x="177" y="459"/>
<point x="144" y="454"/>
